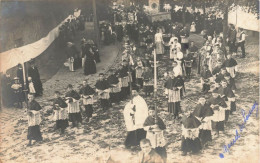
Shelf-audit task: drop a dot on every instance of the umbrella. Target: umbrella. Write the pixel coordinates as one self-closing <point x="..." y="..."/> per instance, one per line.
<point x="191" y="122"/>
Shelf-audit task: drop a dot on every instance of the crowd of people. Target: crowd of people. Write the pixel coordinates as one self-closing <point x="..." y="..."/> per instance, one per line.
<point x="142" y="42"/>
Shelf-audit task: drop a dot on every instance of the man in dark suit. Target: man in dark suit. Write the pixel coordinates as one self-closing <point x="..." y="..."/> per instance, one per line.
<point x="231" y="39"/>
<point x="35" y="75"/>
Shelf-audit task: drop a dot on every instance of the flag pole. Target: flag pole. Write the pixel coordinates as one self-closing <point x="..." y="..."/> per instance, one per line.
<point x="155" y="87"/>
<point x="25" y="76"/>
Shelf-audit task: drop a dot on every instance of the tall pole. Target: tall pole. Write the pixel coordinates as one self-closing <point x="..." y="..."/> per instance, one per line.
<point x="96" y="22"/>
<point x="25" y="77"/>
<point x="155" y="87"/>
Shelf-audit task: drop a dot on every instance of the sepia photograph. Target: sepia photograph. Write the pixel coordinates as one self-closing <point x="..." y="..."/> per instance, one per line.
<point x="129" y="81"/>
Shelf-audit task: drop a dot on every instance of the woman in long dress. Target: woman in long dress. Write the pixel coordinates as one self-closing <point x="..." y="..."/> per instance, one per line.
<point x="159" y="44"/>
<point x="89" y="61"/>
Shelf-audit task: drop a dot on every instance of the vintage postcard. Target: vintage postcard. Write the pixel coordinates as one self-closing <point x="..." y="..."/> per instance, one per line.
<point x="129" y="81"/>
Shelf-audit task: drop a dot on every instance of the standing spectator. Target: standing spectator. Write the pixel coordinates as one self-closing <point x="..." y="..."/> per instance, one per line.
<point x="193" y="27"/>
<point x="89" y="61"/>
<point x="175" y="47"/>
<point x="231" y="39"/>
<point x="31" y="86"/>
<point x="6" y="90"/>
<point x="35" y="75"/>
<point x="184" y="39"/>
<point x="72" y="54"/>
<point x="241" y="41"/>
<point x="18" y="93"/>
<point x="159" y="47"/>
<point x="19" y="74"/>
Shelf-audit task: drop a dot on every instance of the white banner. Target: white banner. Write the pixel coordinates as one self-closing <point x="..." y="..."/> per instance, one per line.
<point x="13" y="57"/>
<point x="243" y="19"/>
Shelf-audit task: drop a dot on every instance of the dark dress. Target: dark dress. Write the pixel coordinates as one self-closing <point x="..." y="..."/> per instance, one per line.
<point x="19" y="74"/>
<point x="90" y="64"/>
<point x="34" y="74"/>
<point x="6" y="91"/>
<point x="96" y="53"/>
<point x="34" y="132"/>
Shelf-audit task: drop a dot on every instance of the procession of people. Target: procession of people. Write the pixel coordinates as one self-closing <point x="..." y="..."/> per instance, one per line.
<point x="135" y="80"/>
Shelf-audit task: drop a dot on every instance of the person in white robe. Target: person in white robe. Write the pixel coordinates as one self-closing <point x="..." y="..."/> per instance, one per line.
<point x="177" y="69"/>
<point x="135" y="113"/>
<point x="159" y="43"/>
<point x="175" y="47"/>
<point x="31" y="86"/>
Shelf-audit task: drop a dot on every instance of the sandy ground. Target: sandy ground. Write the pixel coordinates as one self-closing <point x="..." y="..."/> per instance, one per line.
<point x="94" y="141"/>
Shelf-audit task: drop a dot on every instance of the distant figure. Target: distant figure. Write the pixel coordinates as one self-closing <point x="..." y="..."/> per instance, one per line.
<point x="6" y="90"/>
<point x="231" y="39"/>
<point x="19" y="74"/>
<point x="159" y="47"/>
<point x="89" y="61"/>
<point x="175" y="47"/>
<point x="34" y="74"/>
<point x="193" y="27"/>
<point x="241" y="39"/>
<point x="31" y="86"/>
<point x="18" y="93"/>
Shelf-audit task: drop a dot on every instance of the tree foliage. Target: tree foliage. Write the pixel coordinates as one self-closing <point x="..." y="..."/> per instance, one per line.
<point x="250" y="6"/>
